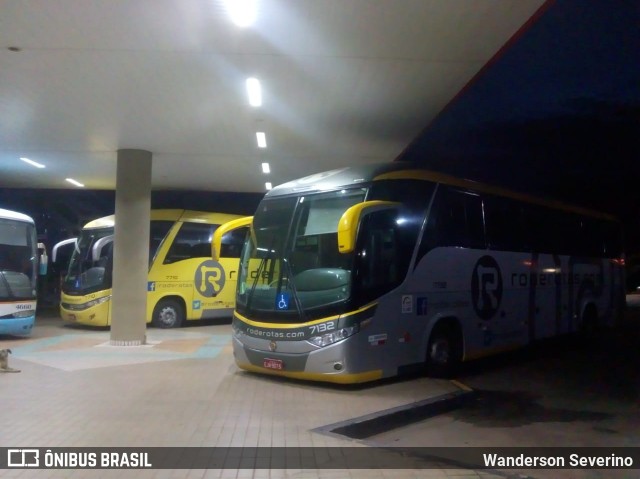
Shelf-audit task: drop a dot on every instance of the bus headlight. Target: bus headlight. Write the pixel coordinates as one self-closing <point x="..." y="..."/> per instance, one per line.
<point x="334" y="336"/>
<point x="96" y="302"/>
<point x="87" y="305"/>
<point x="24" y="314"/>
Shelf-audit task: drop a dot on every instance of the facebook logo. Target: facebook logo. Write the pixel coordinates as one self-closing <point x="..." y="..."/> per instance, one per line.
<point x="151" y="286"/>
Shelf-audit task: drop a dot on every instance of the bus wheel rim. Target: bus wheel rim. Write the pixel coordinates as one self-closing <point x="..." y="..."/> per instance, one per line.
<point x="441" y="351"/>
<point x="168" y="316"/>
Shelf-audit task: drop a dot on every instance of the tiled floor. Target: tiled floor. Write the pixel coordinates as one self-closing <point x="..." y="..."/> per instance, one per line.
<point x="183" y="389"/>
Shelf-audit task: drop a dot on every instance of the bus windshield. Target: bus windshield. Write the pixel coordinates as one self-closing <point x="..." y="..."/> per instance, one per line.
<point x="88" y="270"/>
<point x="290" y="265"/>
<point x="91" y="262"/>
<point x="18" y="260"/>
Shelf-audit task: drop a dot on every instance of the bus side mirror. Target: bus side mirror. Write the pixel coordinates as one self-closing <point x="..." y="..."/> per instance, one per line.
<point x="348" y="224"/>
<point x="57" y="246"/>
<point x="44" y="259"/>
<point x="216" y="241"/>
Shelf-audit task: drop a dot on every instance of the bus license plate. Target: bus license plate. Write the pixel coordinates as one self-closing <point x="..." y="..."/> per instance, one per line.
<point x="273" y="363"/>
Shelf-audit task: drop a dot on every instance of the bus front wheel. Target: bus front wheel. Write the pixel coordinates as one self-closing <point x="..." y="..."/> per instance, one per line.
<point x="168" y="313"/>
<point x="444" y="353"/>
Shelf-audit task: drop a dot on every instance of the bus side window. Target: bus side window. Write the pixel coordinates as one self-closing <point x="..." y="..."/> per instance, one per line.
<point x="503" y="218"/>
<point x="232" y="243"/>
<point x="188" y="241"/>
<point x="201" y="250"/>
<point x="460" y="220"/>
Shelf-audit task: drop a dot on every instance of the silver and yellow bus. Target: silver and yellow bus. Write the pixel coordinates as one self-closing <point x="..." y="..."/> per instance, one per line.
<point x="185" y="282"/>
<point x="369" y="272"/>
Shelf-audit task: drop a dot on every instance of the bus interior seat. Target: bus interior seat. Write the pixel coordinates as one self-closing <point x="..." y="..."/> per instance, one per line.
<point x="201" y="250"/>
<point x="179" y="252"/>
<point x="230" y="250"/>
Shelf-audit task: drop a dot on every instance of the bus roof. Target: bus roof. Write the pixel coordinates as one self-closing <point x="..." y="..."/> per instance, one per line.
<point x="189" y="216"/>
<point x="14" y="215"/>
<point x="352" y="176"/>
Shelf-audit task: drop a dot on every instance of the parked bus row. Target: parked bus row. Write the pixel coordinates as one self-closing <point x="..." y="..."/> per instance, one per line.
<point x="355" y="274"/>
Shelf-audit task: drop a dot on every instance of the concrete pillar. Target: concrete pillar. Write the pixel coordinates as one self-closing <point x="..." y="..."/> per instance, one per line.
<point x="131" y="248"/>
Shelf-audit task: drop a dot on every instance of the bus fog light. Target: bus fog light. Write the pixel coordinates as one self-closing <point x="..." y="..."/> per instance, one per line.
<point x="337" y="366"/>
<point x="334" y="336"/>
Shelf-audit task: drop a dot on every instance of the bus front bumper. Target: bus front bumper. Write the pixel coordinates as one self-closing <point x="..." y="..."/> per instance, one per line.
<point x="97" y="315"/>
<point x="326" y="364"/>
<point x="17" y="326"/>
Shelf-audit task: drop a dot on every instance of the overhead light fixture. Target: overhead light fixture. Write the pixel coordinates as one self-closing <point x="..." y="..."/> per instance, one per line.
<point x="32" y="163"/>
<point x="265" y="168"/>
<point x="254" y="91"/>
<point x="242" y="12"/>
<point x="74" y="182"/>
<point x="268" y="185"/>
<point x="262" y="139"/>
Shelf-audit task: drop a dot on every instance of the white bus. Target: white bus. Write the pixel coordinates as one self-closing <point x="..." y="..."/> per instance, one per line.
<point x="18" y="273"/>
<point x="363" y="273"/>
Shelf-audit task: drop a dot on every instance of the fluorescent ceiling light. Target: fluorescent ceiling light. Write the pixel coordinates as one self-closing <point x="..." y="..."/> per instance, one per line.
<point x="32" y="163"/>
<point x="74" y="182"/>
<point x="267" y="185"/>
<point x="254" y="90"/>
<point x="262" y="139"/>
<point x="265" y="168"/>
<point x="242" y="12"/>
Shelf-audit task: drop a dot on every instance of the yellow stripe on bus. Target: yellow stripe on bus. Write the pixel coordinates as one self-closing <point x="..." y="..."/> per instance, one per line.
<point x="330" y="378"/>
<point x="299" y="325"/>
<point x="492" y="351"/>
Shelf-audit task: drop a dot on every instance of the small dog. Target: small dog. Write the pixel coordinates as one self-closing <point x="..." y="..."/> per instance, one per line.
<point x="4" y="362"/>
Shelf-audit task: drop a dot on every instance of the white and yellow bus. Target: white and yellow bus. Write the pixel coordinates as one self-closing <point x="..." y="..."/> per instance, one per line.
<point x="185" y="282"/>
<point x="363" y="273"/>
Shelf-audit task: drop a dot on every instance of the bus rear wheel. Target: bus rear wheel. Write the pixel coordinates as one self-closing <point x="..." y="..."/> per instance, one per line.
<point x="168" y="313"/>
<point x="444" y="353"/>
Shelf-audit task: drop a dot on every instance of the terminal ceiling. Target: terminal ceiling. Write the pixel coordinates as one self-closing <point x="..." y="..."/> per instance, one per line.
<point x="343" y="82"/>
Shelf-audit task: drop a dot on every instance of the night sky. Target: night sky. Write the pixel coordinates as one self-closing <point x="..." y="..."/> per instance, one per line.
<point x="556" y="113"/>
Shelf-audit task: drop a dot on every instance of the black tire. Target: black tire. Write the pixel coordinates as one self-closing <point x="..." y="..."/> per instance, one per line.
<point x="168" y="313"/>
<point x="444" y="353"/>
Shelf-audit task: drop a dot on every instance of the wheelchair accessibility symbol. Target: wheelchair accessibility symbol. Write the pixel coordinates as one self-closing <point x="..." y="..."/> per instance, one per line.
<point x="282" y="301"/>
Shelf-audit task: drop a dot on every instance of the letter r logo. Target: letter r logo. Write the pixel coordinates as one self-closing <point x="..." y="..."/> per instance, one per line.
<point x="486" y="287"/>
<point x="210" y="278"/>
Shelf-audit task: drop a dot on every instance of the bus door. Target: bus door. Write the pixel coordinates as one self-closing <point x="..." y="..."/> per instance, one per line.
<point x="546" y="300"/>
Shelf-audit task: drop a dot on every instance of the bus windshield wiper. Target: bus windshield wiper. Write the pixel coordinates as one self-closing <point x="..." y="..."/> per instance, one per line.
<point x="261" y="266"/>
<point x="294" y="291"/>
